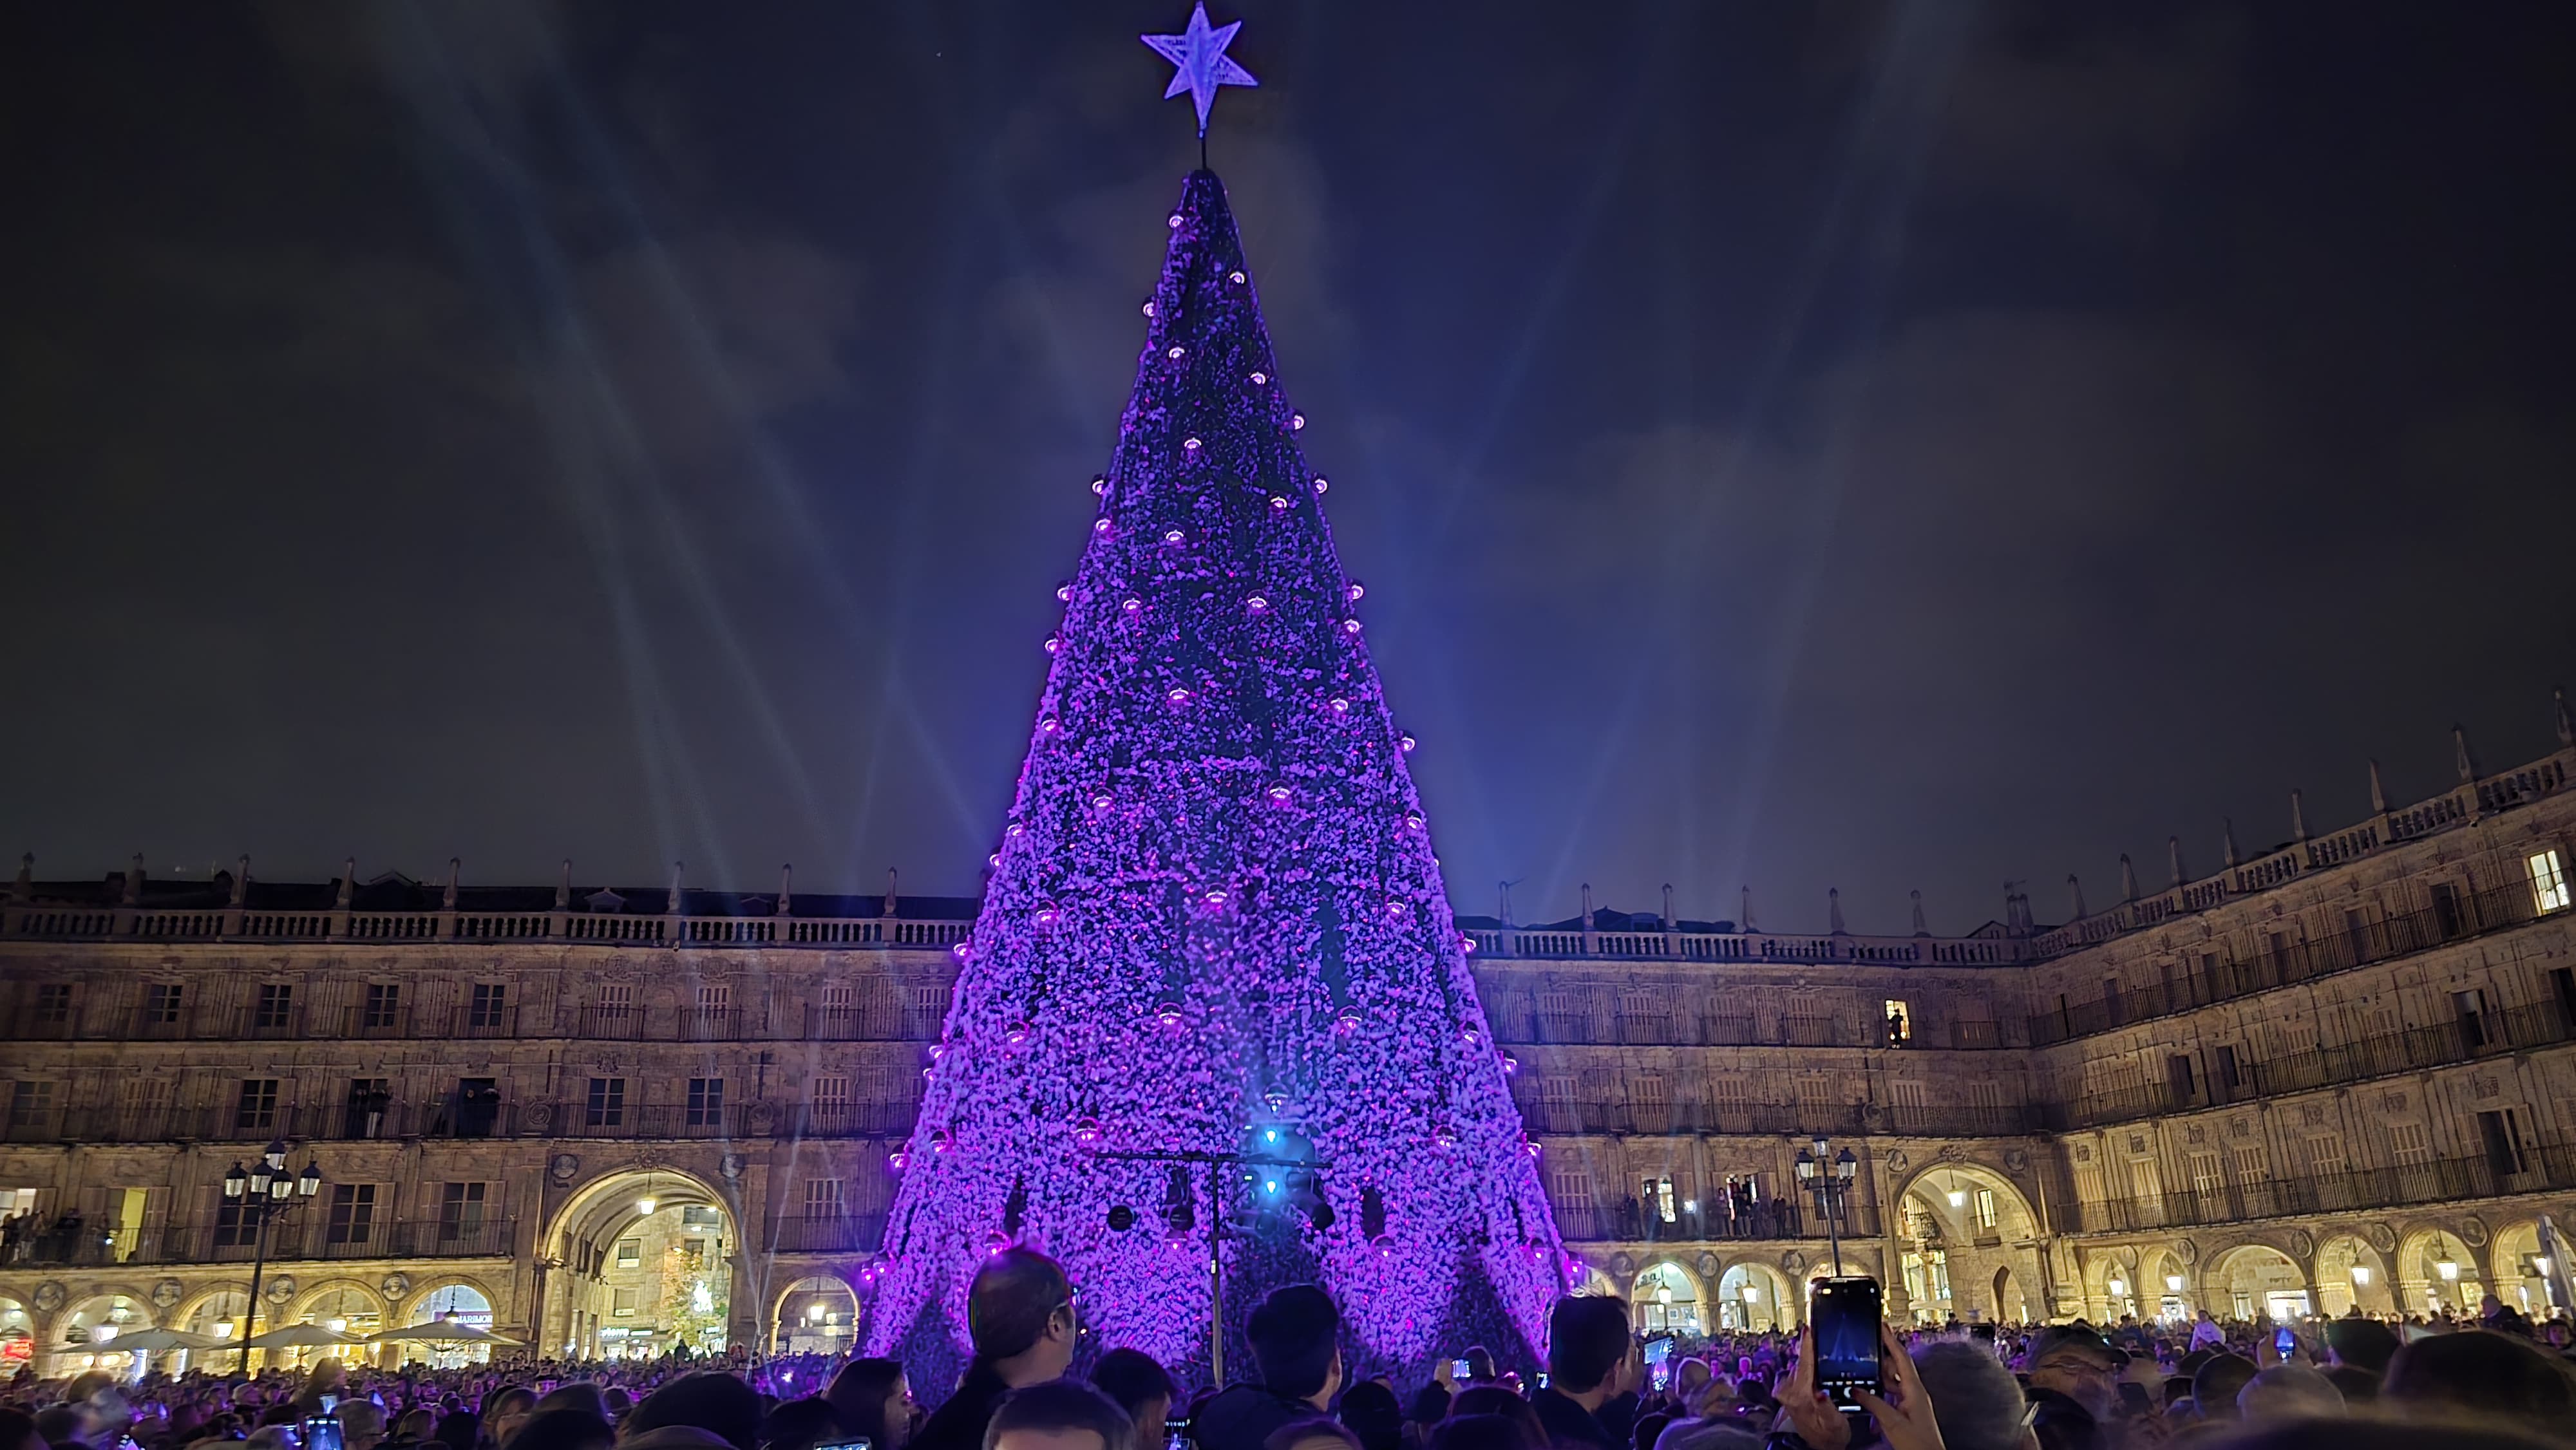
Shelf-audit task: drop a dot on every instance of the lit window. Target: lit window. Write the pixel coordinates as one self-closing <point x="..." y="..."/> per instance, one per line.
<point x="2549" y="879"/>
<point x="1900" y="1022"/>
<point x="630" y="1252"/>
<point x="1985" y="1208"/>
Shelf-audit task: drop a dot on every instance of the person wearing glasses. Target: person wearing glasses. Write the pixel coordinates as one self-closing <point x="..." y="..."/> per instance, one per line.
<point x="1020" y="1316"/>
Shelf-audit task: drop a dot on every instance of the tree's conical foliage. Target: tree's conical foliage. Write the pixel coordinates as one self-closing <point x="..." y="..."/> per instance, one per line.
<point x="1215" y="913"/>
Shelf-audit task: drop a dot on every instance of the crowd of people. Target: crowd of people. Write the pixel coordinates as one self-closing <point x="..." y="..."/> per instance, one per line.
<point x="2351" y="1383"/>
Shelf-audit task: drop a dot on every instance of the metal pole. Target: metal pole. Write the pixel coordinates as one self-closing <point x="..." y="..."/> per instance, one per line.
<point x="258" y="1264"/>
<point x="1833" y="1221"/>
<point x="1216" y="1271"/>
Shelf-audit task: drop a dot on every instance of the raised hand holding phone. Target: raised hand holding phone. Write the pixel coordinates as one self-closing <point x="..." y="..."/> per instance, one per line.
<point x="1904" y="1416"/>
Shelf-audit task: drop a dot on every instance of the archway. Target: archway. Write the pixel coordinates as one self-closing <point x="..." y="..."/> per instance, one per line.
<point x="649" y="1257"/>
<point x="1667" y="1298"/>
<point x="2110" y="1286"/>
<point x="2521" y="1275"/>
<point x="816" y="1315"/>
<point x="343" y="1305"/>
<point x="2257" y="1281"/>
<point x="214" y="1314"/>
<point x="458" y="1301"/>
<point x="1757" y="1297"/>
<point x="2164" y="1283"/>
<point x="2351" y="1274"/>
<point x="2010" y="1306"/>
<point x="1960" y="1225"/>
<point x="17" y="1337"/>
<point x="2438" y="1271"/>
<point x="85" y="1334"/>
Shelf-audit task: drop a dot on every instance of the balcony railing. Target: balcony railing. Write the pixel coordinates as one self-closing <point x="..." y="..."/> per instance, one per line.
<point x="55" y="923"/>
<point x="2465" y="1038"/>
<point x="1629" y="1222"/>
<point x="2528" y="1169"/>
<point x="307" y="1235"/>
<point x="2222" y="975"/>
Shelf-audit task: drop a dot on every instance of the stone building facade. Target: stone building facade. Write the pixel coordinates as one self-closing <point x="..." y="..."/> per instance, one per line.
<point x="2340" y="1070"/>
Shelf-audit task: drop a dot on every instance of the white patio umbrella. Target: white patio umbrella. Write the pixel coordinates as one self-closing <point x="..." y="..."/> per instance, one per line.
<point x="155" y="1341"/>
<point x="301" y="1336"/>
<point x="440" y="1331"/>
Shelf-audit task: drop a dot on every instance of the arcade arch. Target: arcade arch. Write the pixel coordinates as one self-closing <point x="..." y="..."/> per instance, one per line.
<point x="1756" y="1297"/>
<point x="1667" y="1297"/>
<point x="84" y="1335"/>
<point x="1960" y="1222"/>
<point x="2351" y="1274"/>
<point x="648" y="1255"/>
<point x="2256" y="1281"/>
<point x="818" y="1314"/>
<point x="2520" y="1280"/>
<point x="2436" y="1271"/>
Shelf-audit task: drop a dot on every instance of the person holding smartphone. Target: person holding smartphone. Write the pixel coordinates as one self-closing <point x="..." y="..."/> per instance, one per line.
<point x="1590" y="1360"/>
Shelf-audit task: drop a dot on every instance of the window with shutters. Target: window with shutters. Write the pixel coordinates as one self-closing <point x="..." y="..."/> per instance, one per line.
<point x="2207" y="1175"/>
<point x="1905" y="1092"/>
<point x="2247" y="1160"/>
<point x="275" y="1004"/>
<point x="1985" y="1209"/>
<point x="1652" y="1093"/>
<point x="484" y="1008"/>
<point x="1732" y="1094"/>
<point x="706" y="1102"/>
<point x="236" y="1225"/>
<point x="353" y="1213"/>
<point x="2548" y="880"/>
<point x="832" y="1097"/>
<point x="715" y="998"/>
<point x="53" y="1004"/>
<point x="1572" y="1187"/>
<point x="1557" y="1092"/>
<point x="31" y="1104"/>
<point x="255" y="1111"/>
<point x="460" y="1210"/>
<point x="822" y="1198"/>
<point x="384" y="1001"/>
<point x="607" y="1105"/>
<point x="2409" y="1142"/>
<point x="2324" y="1153"/>
<point x="630" y="1253"/>
<point x="616" y="1000"/>
<point x="161" y="1004"/>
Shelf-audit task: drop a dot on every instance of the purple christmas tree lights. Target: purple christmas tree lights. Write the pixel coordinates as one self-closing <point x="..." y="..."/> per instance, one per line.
<point x="1215" y="913"/>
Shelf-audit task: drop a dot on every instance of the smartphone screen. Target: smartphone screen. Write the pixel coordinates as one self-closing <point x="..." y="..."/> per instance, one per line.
<point x="1659" y="1363"/>
<point x="1458" y="1369"/>
<point x="861" y="1443"/>
<point x="322" y="1432"/>
<point x="330" y="1403"/>
<point x="2285" y="1343"/>
<point x="1846" y="1314"/>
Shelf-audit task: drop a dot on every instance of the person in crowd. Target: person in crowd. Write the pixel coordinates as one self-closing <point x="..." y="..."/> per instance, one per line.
<point x="1494" y="1399"/>
<point x="2217" y="1383"/>
<point x="1370" y="1412"/>
<point x="1483" y="1432"/>
<point x="362" y="1425"/>
<point x="1314" y="1433"/>
<point x="506" y="1409"/>
<point x="799" y="1424"/>
<point x="2288" y="1392"/>
<point x="2207" y="1334"/>
<point x="872" y="1400"/>
<point x="583" y="1395"/>
<point x="564" y="1429"/>
<point x="1021" y="1319"/>
<point x="63" y="1427"/>
<point x="2358" y="1386"/>
<point x="2074" y="1378"/>
<point x="1138" y="1384"/>
<point x="1591" y="1360"/>
<point x="706" y="1410"/>
<point x="2480" y="1375"/>
<point x="18" y="1430"/>
<point x="1296" y="1345"/>
<point x="1480" y="1365"/>
<point x="1057" y="1414"/>
<point x="2363" y="1343"/>
<point x="1975" y="1399"/>
<point x="1904" y="1416"/>
<point x="1649" y="1428"/>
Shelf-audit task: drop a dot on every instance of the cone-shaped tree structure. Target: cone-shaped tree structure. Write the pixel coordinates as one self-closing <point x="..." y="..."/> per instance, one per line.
<point x="1216" y="929"/>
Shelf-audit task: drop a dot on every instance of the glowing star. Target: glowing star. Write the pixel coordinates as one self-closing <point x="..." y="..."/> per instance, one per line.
<point x="1198" y="55"/>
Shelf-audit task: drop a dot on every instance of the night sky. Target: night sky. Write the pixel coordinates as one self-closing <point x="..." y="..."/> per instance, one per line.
<point x="1865" y="446"/>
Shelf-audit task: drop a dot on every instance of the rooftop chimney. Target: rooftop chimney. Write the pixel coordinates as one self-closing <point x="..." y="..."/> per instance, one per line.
<point x="1834" y="910"/>
<point x="786" y="886"/>
<point x="2460" y="747"/>
<point x="1919" y="928"/>
<point x="2378" y="793"/>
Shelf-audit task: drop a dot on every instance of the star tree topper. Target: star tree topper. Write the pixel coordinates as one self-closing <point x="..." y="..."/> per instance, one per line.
<point x="1199" y="54"/>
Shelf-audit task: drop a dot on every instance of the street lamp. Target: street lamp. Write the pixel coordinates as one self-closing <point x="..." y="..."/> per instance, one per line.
<point x="1828" y="1175"/>
<point x="264" y="1193"/>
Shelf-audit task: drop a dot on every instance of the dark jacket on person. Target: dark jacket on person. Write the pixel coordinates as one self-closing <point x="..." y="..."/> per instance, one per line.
<point x="1568" y="1423"/>
<point x="1242" y="1417"/>
<point x="959" y="1424"/>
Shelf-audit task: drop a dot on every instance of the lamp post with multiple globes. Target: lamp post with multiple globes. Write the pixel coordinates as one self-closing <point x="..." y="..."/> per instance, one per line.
<point x="263" y="1193"/>
<point x="1829" y="1176"/>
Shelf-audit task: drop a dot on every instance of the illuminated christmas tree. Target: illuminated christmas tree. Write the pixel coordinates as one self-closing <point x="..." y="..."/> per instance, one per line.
<point x="1215" y="930"/>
